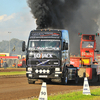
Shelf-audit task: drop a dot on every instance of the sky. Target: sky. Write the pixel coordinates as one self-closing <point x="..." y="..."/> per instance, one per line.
<point x="16" y="20"/>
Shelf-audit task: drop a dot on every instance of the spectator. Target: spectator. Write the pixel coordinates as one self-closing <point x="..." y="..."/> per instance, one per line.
<point x="23" y="62"/>
<point x="1" y="62"/>
<point x="90" y="45"/>
<point x="5" y="63"/>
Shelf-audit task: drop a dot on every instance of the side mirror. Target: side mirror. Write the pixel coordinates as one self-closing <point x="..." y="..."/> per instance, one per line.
<point x="96" y="50"/>
<point x="65" y="46"/>
<point x="23" y="46"/>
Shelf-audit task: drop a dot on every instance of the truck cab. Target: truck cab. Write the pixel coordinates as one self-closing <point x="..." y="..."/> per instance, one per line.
<point x="47" y="54"/>
<point x="88" y="46"/>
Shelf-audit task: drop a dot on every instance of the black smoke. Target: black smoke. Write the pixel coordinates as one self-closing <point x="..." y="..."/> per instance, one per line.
<point x="51" y="13"/>
<point x="77" y="16"/>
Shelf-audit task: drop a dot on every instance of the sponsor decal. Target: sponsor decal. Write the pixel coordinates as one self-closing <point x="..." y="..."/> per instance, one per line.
<point x="71" y="62"/>
<point x="90" y="53"/>
<point x="2" y="54"/>
<point x="42" y="55"/>
<point x="43" y="62"/>
<point x="50" y="34"/>
<point x="44" y="48"/>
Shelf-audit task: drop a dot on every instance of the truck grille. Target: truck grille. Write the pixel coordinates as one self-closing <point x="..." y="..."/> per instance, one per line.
<point x="72" y="70"/>
<point x="43" y="62"/>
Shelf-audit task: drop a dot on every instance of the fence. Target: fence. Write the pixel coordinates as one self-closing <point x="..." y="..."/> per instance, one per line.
<point x="9" y="61"/>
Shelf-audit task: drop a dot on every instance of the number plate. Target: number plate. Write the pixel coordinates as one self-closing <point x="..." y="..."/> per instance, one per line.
<point x="43" y="76"/>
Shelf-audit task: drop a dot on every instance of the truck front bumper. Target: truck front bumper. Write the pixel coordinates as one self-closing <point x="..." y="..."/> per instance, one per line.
<point x="41" y="76"/>
<point x="43" y="72"/>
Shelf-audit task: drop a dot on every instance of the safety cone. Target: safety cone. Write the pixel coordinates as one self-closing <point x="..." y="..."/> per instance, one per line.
<point x="86" y="89"/>
<point x="43" y="92"/>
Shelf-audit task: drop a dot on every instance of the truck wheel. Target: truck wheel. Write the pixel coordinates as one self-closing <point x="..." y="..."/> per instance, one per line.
<point x="65" y="79"/>
<point x="48" y="81"/>
<point x="98" y="78"/>
<point x="30" y="81"/>
<point x="76" y="80"/>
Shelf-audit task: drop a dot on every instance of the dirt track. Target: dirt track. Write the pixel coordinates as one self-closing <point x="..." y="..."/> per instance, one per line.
<point x="17" y="87"/>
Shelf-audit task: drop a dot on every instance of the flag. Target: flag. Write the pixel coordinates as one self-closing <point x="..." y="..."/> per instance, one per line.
<point x="13" y="48"/>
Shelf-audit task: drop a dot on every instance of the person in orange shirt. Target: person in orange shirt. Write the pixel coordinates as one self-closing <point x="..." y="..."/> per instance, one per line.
<point x="23" y="62"/>
<point x="1" y="62"/>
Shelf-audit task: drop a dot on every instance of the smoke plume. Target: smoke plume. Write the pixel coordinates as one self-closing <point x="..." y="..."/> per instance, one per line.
<point x="77" y="16"/>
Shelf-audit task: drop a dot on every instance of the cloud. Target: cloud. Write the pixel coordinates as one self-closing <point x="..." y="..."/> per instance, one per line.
<point x="5" y="17"/>
<point x="2" y="17"/>
<point x="19" y="24"/>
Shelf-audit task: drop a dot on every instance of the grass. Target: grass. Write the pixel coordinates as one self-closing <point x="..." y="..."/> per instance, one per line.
<point x="95" y="95"/>
<point x="12" y="68"/>
<point x="13" y="73"/>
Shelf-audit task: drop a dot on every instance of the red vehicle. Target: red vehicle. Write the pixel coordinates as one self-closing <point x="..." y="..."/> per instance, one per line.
<point x="11" y="61"/>
<point x="87" y="61"/>
<point x="21" y="63"/>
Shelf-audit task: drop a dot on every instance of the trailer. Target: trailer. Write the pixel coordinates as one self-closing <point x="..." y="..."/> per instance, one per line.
<point x="87" y="61"/>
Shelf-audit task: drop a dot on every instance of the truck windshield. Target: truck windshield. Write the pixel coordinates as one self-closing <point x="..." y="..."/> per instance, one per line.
<point x="44" y="45"/>
<point x="86" y="44"/>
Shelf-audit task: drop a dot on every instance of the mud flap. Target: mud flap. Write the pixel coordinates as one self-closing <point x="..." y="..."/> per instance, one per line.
<point x="94" y="75"/>
<point x="98" y="78"/>
<point x="64" y="80"/>
<point x="76" y="79"/>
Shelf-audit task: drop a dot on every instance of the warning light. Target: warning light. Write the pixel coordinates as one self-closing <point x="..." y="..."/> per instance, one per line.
<point x="87" y="51"/>
<point x="97" y="34"/>
<point x="79" y="33"/>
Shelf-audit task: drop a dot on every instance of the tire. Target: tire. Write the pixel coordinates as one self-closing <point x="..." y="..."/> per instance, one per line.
<point x="76" y="80"/>
<point x="65" y="79"/>
<point x="30" y="81"/>
<point x="94" y="75"/>
<point x="98" y="78"/>
<point x="48" y="81"/>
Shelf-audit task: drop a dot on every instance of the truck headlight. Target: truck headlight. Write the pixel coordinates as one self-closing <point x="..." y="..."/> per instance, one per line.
<point x="44" y="71"/>
<point x="40" y="70"/>
<point x="36" y="71"/>
<point x="48" y="71"/>
<point x="29" y="69"/>
<point x="29" y="75"/>
<point x="57" y="69"/>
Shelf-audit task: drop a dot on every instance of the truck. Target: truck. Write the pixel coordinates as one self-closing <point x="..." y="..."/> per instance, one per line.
<point x="87" y="61"/>
<point x="48" y="57"/>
